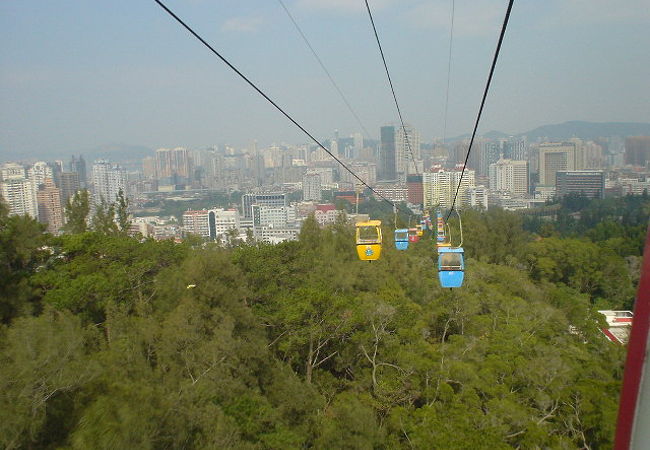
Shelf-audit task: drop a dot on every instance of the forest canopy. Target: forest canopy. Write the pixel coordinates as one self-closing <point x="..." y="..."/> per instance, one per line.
<point x="110" y="341"/>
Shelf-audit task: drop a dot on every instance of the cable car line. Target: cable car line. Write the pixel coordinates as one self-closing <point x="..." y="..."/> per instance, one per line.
<point x="331" y="78"/>
<point x="268" y="99"/>
<point x="451" y="41"/>
<point x="390" y="82"/>
<point x="480" y="111"/>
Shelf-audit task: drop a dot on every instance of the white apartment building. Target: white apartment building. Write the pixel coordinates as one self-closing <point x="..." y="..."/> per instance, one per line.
<point x="40" y="172"/>
<point x="274" y="235"/>
<point x="478" y="197"/>
<point x="210" y="223"/>
<point x="395" y="192"/>
<point x="224" y="220"/>
<point x="273" y="217"/>
<point x="311" y="186"/>
<point x="17" y="191"/>
<point x="510" y="176"/>
<point x="405" y="163"/>
<point x="108" y="179"/>
<point x="12" y="171"/>
<point x="439" y="187"/>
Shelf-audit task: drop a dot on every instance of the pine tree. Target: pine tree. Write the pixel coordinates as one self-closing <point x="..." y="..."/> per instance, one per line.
<point x="122" y="213"/>
<point x="76" y="213"/>
<point x="104" y="218"/>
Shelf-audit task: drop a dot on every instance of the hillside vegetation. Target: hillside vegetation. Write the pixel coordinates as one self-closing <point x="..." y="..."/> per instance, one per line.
<point x="112" y="342"/>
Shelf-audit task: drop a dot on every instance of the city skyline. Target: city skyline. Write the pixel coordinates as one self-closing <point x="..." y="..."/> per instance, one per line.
<point x="79" y="76"/>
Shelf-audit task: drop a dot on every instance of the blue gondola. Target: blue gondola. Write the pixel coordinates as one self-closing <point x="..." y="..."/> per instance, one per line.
<point x="451" y="267"/>
<point x="402" y="238"/>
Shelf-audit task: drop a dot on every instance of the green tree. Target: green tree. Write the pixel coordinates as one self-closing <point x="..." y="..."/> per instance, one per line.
<point x="76" y="213"/>
<point x="104" y="218"/>
<point x="21" y="252"/>
<point x="122" y="212"/>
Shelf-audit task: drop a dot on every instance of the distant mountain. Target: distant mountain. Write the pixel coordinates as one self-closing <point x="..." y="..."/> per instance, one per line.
<point x="575" y="128"/>
<point x="588" y="130"/>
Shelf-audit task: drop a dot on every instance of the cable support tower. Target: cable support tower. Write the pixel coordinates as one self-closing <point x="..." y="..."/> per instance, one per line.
<point x="485" y="93"/>
<point x="327" y="72"/>
<point x="390" y="82"/>
<point x="268" y="99"/>
<point x="451" y="41"/>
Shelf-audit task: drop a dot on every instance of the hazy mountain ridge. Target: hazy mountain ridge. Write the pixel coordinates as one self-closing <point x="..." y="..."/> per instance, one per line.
<point x="574" y="128"/>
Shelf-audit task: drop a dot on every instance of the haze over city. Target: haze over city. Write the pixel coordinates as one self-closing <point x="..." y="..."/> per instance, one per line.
<point x="79" y="75"/>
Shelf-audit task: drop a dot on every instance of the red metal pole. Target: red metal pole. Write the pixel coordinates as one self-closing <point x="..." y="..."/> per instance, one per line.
<point x="636" y="353"/>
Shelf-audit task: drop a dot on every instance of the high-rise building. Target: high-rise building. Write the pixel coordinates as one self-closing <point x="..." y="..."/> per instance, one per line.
<point x="593" y="156"/>
<point x="173" y="165"/>
<point x="108" y="180"/>
<point x="490" y="153"/>
<point x="69" y="185"/>
<point x="78" y="165"/>
<point x="637" y="150"/>
<point x="554" y="157"/>
<point x="311" y="187"/>
<point x="588" y="183"/>
<point x="257" y="163"/>
<point x="18" y="191"/>
<point x="515" y="148"/>
<point x="39" y="172"/>
<point x="358" y="144"/>
<point x="407" y="151"/>
<point x="334" y="147"/>
<point x="439" y="187"/>
<point x="149" y="167"/>
<point x="509" y="176"/>
<point x="12" y="171"/>
<point x="50" y="210"/>
<point x="326" y="174"/>
<point x="366" y="171"/>
<point x="387" y="155"/>
<point x="270" y="199"/>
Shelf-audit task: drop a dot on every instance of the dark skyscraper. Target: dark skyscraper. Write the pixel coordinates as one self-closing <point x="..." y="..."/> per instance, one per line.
<point x="69" y="185"/>
<point x="387" y="169"/>
<point x="637" y="150"/>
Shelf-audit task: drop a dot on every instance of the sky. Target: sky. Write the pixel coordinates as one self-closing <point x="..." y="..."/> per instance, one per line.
<point x="79" y="74"/>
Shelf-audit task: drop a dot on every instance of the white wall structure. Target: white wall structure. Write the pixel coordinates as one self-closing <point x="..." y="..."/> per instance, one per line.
<point x="439" y="187"/>
<point x="510" y="176"/>
<point x="311" y="186"/>
<point x="404" y="161"/>
<point x="108" y="179"/>
<point x="18" y="191"/>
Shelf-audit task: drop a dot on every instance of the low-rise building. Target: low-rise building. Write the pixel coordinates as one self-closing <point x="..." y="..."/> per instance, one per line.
<point x="619" y="324"/>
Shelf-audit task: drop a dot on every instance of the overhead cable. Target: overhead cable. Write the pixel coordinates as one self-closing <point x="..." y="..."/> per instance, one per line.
<point x="390" y="82"/>
<point x="327" y="72"/>
<point x="268" y="99"/>
<point x="485" y="93"/>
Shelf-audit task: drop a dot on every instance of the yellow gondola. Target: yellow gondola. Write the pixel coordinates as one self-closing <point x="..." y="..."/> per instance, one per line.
<point x="419" y="229"/>
<point x="369" y="240"/>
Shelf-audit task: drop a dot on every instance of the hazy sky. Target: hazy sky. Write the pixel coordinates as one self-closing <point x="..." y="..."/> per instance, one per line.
<point x="78" y="74"/>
